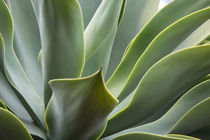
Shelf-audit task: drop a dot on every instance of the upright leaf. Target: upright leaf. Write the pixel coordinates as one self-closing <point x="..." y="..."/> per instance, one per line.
<point x="78" y="108"/>
<point x="61" y="29"/>
<point x="27" y="40"/>
<point x="89" y="8"/>
<point x="14" y="71"/>
<point x="100" y="34"/>
<point x="136" y="15"/>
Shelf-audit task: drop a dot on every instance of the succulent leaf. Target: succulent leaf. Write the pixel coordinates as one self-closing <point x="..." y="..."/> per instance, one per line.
<point x="89" y="8"/>
<point x="136" y="15"/>
<point x="180" y="65"/>
<point x="159" y="22"/>
<point x="100" y="34"/>
<point x="27" y="40"/>
<point x="11" y="127"/>
<point x="61" y="29"/>
<point x="14" y="71"/>
<point x="79" y="107"/>
<point x="163" y="44"/>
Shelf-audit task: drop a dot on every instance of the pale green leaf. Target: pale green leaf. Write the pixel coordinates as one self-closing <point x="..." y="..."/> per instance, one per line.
<point x="163" y="44"/>
<point x="155" y="90"/>
<point x="159" y="22"/>
<point x="100" y="34"/>
<point x="136" y="14"/>
<point x="27" y="40"/>
<point x="89" y="8"/>
<point x="61" y="29"/>
<point x="14" y="71"/>
<point x="78" y="108"/>
<point x="11" y="127"/>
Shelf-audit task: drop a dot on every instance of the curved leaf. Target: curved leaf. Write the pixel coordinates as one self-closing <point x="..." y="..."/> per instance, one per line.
<point x="15" y="72"/>
<point x="187" y="123"/>
<point x="163" y="44"/>
<point x="180" y="65"/>
<point x="160" y="21"/>
<point x="136" y="15"/>
<point x="100" y="34"/>
<point x="78" y="108"/>
<point x="89" y="8"/>
<point x="27" y="40"/>
<point x="2" y="105"/>
<point x="146" y="136"/>
<point x="61" y="29"/>
<point x="11" y="127"/>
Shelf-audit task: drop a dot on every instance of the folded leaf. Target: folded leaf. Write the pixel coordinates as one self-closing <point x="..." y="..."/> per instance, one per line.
<point x="155" y="90"/>
<point x="11" y="127"/>
<point x="78" y="108"/>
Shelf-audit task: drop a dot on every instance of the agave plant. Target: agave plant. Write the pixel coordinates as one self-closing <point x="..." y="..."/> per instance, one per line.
<point x="111" y="69"/>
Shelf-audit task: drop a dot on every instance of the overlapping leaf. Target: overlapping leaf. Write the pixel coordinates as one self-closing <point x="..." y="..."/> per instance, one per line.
<point x="11" y="127"/>
<point x="14" y="71"/>
<point x="100" y="34"/>
<point x="155" y="89"/>
<point x="159" y="22"/>
<point x="136" y="15"/>
<point x="61" y="29"/>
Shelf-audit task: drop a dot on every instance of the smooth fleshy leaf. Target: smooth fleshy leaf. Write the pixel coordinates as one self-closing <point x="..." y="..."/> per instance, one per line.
<point x="100" y="34"/>
<point x="147" y="136"/>
<point x="159" y="22"/>
<point x="61" y="29"/>
<point x="136" y="14"/>
<point x="89" y="8"/>
<point x="11" y="127"/>
<point x="78" y="108"/>
<point x="27" y="40"/>
<point x="2" y="104"/>
<point x="14" y="71"/>
<point x="155" y="90"/>
<point x="196" y="118"/>
<point x="162" y="45"/>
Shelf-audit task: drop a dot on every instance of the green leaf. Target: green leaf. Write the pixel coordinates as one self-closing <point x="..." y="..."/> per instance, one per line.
<point x="159" y="22"/>
<point x="27" y="40"/>
<point x="136" y="15"/>
<point x="195" y="37"/>
<point x="2" y="104"/>
<point x="146" y="136"/>
<point x="89" y="8"/>
<point x="203" y="133"/>
<point x="187" y="123"/>
<point x="61" y="29"/>
<point x="11" y="127"/>
<point x="100" y="34"/>
<point x="156" y="90"/>
<point x="182" y="136"/>
<point x="163" y="44"/>
<point x="14" y="71"/>
<point x="78" y="108"/>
